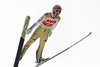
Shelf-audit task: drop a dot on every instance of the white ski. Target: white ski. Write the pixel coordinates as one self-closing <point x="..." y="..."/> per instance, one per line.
<point x="38" y="64"/>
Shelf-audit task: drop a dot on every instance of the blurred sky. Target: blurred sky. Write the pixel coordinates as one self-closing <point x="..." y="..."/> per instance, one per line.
<point x="78" y="18"/>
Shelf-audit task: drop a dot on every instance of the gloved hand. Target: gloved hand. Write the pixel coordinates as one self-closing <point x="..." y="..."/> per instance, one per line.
<point x="29" y="31"/>
<point x="50" y="33"/>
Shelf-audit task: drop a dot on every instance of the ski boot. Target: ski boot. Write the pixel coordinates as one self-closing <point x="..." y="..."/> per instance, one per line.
<point x="42" y="60"/>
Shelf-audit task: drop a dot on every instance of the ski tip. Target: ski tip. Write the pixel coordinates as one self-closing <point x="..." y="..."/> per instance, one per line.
<point x="90" y="33"/>
<point x="28" y="16"/>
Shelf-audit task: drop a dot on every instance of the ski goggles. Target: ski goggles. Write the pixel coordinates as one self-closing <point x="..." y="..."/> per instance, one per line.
<point x="58" y="11"/>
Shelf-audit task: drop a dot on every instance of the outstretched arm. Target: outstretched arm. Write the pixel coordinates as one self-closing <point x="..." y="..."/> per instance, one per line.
<point x="53" y="27"/>
<point x="35" y="24"/>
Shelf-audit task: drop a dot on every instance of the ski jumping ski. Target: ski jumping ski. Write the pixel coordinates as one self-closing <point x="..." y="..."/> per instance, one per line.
<point x="24" y="31"/>
<point x="38" y="64"/>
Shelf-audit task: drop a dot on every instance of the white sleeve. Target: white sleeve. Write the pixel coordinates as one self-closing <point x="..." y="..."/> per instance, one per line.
<point x="54" y="26"/>
<point x="38" y="22"/>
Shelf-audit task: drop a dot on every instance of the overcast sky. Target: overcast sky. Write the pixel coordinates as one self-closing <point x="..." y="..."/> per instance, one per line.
<point x="78" y="18"/>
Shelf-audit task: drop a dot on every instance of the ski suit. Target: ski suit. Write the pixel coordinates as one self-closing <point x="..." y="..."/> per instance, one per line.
<point x="46" y="25"/>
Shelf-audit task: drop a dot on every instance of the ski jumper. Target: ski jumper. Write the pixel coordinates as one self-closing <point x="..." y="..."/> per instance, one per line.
<point x="46" y="25"/>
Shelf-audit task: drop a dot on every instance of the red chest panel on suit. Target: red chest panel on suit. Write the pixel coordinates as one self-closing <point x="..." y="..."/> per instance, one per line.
<point x="49" y="22"/>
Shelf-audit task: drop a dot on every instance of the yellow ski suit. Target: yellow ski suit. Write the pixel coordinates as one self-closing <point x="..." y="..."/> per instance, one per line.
<point x="46" y="25"/>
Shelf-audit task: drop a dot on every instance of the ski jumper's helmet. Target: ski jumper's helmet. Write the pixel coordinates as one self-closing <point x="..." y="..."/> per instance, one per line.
<point x="57" y="10"/>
